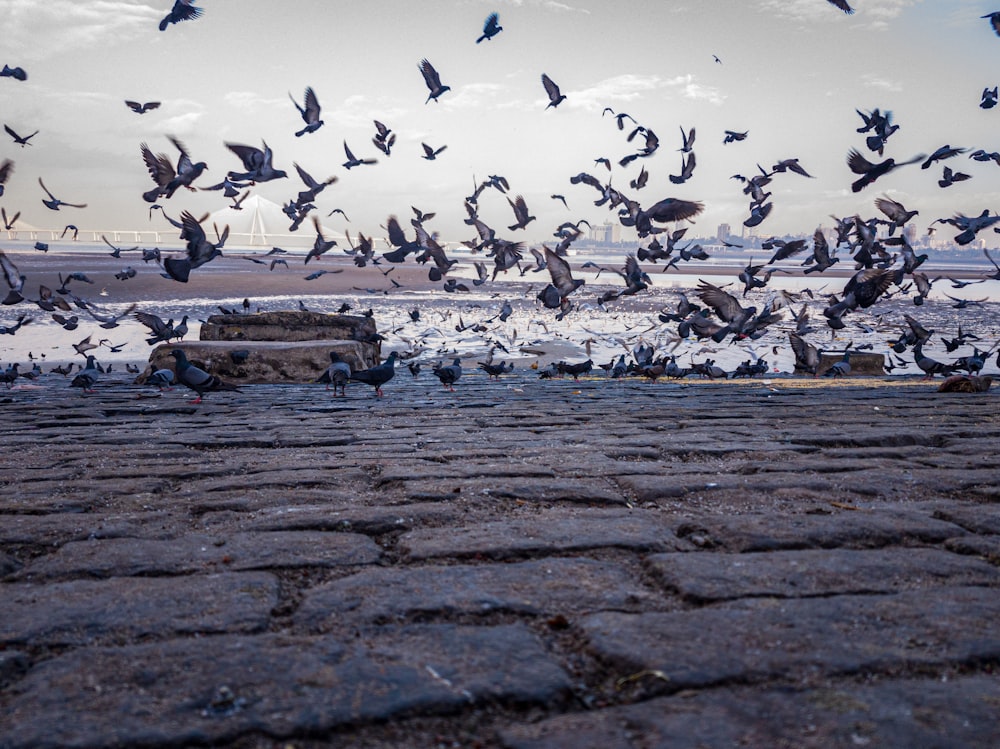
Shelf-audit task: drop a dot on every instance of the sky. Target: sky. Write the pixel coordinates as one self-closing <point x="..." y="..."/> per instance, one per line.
<point x="791" y="72"/>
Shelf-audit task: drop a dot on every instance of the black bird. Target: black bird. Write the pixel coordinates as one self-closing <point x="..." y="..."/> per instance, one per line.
<point x="840" y="368"/>
<point x="321" y="244"/>
<point x="378" y="375"/>
<point x="520" y="209"/>
<point x="309" y="111"/>
<point x="870" y="172"/>
<point x="353" y="161"/>
<point x="138" y="108"/>
<point x="199" y="249"/>
<point x="842" y="4"/>
<point x="563" y="284"/>
<point x="6" y="169"/>
<point x="491" y="27"/>
<point x="433" y="81"/>
<point x="552" y="91"/>
<point x="806" y="355"/>
<point x="17" y="73"/>
<point x="994" y="21"/>
<point x="22" y="141"/>
<point x="493" y="371"/>
<point x="668" y="210"/>
<point x="989" y="98"/>
<point x="337" y="374"/>
<point x="732" y="136"/>
<point x="183" y="10"/>
<point x="431" y="153"/>
<point x="53" y="203"/>
<point x="449" y="375"/>
<point x="15" y="281"/>
<point x="162" y="171"/>
<point x="198" y="379"/>
<point x="257" y="162"/>
<point x="87" y="377"/>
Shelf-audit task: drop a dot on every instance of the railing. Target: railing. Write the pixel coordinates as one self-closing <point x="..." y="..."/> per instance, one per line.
<point x="155" y="237"/>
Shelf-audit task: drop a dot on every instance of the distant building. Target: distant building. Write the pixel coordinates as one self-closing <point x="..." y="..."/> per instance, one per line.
<point x="910" y="234"/>
<point x="606" y="233"/>
<point x="723" y="232"/>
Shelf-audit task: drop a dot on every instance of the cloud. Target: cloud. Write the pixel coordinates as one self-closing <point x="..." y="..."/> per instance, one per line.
<point x="630" y="87"/>
<point x="874" y="15"/>
<point x="551" y="5"/>
<point x="252" y="100"/>
<point x="67" y="25"/>
<point x="874" y="81"/>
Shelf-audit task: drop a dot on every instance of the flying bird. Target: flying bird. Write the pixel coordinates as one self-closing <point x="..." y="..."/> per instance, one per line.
<point x="552" y="90"/>
<point x="870" y="172"/>
<point x="989" y="98"/>
<point x="167" y="179"/>
<point x="491" y="27"/>
<point x="53" y="203"/>
<point x="22" y="141"/>
<point x="433" y="81"/>
<point x="309" y="112"/>
<point x="141" y="108"/>
<point x="17" y="73"/>
<point x="183" y="10"/>
<point x="431" y="153"/>
<point x="993" y="17"/>
<point x="257" y="162"/>
<point x="843" y="5"/>
<point x="353" y="161"/>
<point x="732" y="136"/>
<point x="6" y="169"/>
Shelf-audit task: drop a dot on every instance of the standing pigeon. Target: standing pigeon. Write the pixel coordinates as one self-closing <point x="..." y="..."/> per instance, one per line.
<point x="449" y="375"/>
<point x="87" y="377"/>
<point x="378" y="375"/>
<point x="198" y="379"/>
<point x="337" y="374"/>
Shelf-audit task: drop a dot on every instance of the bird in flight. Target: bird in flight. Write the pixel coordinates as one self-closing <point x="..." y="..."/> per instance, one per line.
<point x="431" y="153"/>
<point x="353" y="161"/>
<point x="843" y="5"/>
<point x="309" y="112"/>
<point x="994" y="22"/>
<point x="433" y="81"/>
<point x="141" y="108"/>
<point x="491" y="27"/>
<point x="17" y="73"/>
<point x="54" y="203"/>
<point x="22" y="141"/>
<point x="556" y="97"/>
<point x="183" y="10"/>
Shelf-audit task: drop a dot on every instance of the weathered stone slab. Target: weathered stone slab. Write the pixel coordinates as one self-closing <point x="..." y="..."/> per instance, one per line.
<point x="959" y="713"/>
<point x="249" y="362"/>
<point x="701" y="577"/>
<point x="760" y="639"/>
<point x="13" y="664"/>
<point x="535" y="588"/>
<point x="370" y="520"/>
<point x="123" y="557"/>
<point x="975" y="518"/>
<point x="533" y="489"/>
<point x="214" y="689"/>
<point x="987" y="547"/>
<point x="57" y="528"/>
<point x="288" y="325"/>
<point x="546" y="533"/>
<point x="81" y="611"/>
<point x="850" y="528"/>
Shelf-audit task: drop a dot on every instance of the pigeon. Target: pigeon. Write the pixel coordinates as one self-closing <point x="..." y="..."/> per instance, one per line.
<point x="493" y="371"/>
<point x="162" y="379"/>
<point x="353" y="161"/>
<point x="433" y="81"/>
<point x="257" y="162"/>
<point x="162" y="171"/>
<point x="843" y="5"/>
<point x="7" y="169"/>
<point x="183" y="10"/>
<point x="138" y="108"/>
<point x="870" y="172"/>
<point x="840" y="368"/>
<point x="87" y="377"/>
<point x="14" y="280"/>
<point x="309" y="111"/>
<point x="431" y="153"/>
<point x="337" y="374"/>
<point x="21" y="140"/>
<point x="53" y="203"/>
<point x="993" y="17"/>
<point x="556" y="97"/>
<point x="378" y="375"/>
<point x="17" y="73"/>
<point x="449" y="374"/>
<point x="491" y="27"/>
<point x="198" y="379"/>
<point x="732" y="136"/>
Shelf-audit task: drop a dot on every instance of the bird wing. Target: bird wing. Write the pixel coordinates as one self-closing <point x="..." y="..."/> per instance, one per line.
<point x="726" y="306"/>
<point x="311" y="113"/>
<point x="858" y="163"/>
<point x="559" y="270"/>
<point x="431" y="77"/>
<point x="251" y="156"/>
<point x="550" y="88"/>
<point x="159" y="166"/>
<point x="51" y="196"/>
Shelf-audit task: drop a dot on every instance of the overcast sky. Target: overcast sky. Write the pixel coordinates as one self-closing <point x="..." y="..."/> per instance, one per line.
<point x="792" y="73"/>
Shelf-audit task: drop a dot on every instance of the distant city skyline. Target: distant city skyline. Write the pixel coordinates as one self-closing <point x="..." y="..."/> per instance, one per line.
<point x="790" y="73"/>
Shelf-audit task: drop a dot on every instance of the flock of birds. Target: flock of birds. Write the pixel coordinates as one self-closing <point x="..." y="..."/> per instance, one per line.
<point x="885" y="264"/>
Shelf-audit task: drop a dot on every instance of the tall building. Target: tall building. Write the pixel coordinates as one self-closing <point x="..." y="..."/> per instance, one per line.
<point x="723" y="232"/>
<point x="606" y="233"/>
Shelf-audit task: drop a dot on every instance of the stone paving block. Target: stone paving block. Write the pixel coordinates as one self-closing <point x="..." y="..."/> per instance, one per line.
<point x="702" y="577"/>
<point x="370" y="520"/>
<point x="535" y="588"/>
<point x="766" y="638"/>
<point x="57" y="528"/>
<point x="987" y="547"/>
<point x="214" y="689"/>
<point x="545" y="533"/>
<point x="13" y="664"/>
<point x="893" y="714"/>
<point x="81" y="611"/>
<point x="856" y="529"/>
<point x="198" y="552"/>
<point x="537" y="489"/>
<point x="975" y="518"/>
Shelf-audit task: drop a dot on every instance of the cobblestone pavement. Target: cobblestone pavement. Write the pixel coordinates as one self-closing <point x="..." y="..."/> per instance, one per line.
<point x="519" y="564"/>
